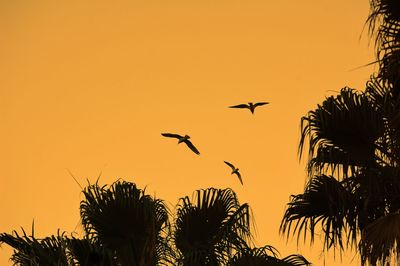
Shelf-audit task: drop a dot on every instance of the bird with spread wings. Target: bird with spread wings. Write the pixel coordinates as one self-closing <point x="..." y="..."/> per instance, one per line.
<point x="251" y="106"/>
<point x="184" y="139"/>
<point x="235" y="171"/>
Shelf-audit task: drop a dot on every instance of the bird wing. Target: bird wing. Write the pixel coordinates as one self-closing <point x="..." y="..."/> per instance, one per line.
<point x="169" y="135"/>
<point x="239" y="106"/>
<point x="260" y="103"/>
<point x="230" y="165"/>
<point x="240" y="177"/>
<point x="192" y="147"/>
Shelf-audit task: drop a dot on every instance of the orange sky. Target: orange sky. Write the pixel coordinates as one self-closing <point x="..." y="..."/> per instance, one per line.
<point x="90" y="85"/>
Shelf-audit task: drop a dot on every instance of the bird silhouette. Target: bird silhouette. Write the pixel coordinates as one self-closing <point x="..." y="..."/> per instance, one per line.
<point x="251" y="106"/>
<point x="235" y="171"/>
<point x="181" y="139"/>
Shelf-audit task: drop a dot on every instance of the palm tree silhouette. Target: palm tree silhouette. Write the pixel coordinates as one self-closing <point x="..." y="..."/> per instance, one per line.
<point x="124" y="226"/>
<point x="28" y="250"/>
<point x="125" y="220"/>
<point x="353" y="142"/>
<point x="210" y="227"/>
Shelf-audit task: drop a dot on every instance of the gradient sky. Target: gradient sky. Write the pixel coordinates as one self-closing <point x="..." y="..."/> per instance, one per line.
<point x="90" y="85"/>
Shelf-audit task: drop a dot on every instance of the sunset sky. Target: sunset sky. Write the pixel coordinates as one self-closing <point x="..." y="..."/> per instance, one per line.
<point x="88" y="86"/>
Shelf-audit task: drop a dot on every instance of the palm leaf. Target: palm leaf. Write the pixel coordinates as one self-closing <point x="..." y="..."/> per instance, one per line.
<point x="207" y="231"/>
<point x="124" y="219"/>
<point x="347" y="123"/>
<point x="265" y="256"/>
<point x="29" y="250"/>
<point x="388" y="104"/>
<point x="327" y="202"/>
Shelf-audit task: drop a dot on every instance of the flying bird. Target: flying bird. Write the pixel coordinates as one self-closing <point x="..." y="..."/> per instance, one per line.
<point x="181" y="139"/>
<point x="235" y="171"/>
<point x="251" y="106"/>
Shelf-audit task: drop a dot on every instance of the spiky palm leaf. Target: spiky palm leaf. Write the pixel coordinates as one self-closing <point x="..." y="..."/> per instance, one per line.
<point x="295" y="260"/>
<point x="210" y="226"/>
<point x="384" y="21"/>
<point x="327" y="202"/>
<point x="126" y="220"/>
<point x="265" y="256"/>
<point x="388" y="104"/>
<point x="343" y="129"/>
<point x="390" y="9"/>
<point x="31" y="251"/>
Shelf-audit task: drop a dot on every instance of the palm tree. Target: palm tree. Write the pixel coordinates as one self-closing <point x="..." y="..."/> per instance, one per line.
<point x="354" y="157"/>
<point x="209" y="228"/>
<point x="30" y="251"/>
<point x="354" y="172"/>
<point x="123" y="219"/>
<point x="124" y="226"/>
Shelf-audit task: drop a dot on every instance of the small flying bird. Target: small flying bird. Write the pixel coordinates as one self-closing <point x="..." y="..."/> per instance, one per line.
<point x="235" y="171"/>
<point x="251" y="106"/>
<point x="181" y="139"/>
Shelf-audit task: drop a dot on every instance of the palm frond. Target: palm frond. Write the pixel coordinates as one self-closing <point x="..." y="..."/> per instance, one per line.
<point x="348" y="123"/>
<point x="330" y="159"/>
<point x="384" y="15"/>
<point x="29" y="250"/>
<point x="384" y="22"/>
<point x="208" y="230"/>
<point x="265" y="256"/>
<point x="327" y="202"/>
<point x="295" y="260"/>
<point x="123" y="218"/>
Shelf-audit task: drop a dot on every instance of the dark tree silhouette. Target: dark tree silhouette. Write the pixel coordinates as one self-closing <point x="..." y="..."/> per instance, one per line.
<point x="353" y="142"/>
<point x="125" y="220"/>
<point x="209" y="228"/>
<point x="124" y="226"/>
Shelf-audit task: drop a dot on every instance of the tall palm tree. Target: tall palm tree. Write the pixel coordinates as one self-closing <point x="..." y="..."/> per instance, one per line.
<point x="353" y="146"/>
<point x="354" y="156"/>
<point x="123" y="219"/>
<point x="209" y="228"/>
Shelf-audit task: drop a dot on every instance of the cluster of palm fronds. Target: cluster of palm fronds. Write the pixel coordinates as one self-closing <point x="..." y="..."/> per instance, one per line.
<point x="353" y="142"/>
<point x="125" y="226"/>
